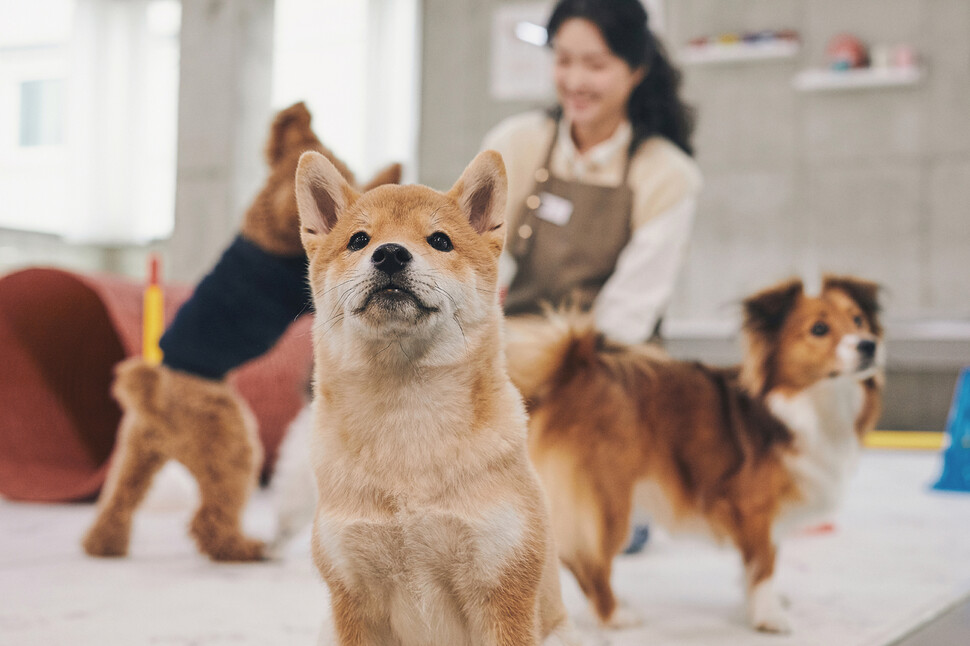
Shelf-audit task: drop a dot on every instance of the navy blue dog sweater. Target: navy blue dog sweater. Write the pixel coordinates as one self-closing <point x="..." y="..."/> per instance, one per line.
<point x="238" y="311"/>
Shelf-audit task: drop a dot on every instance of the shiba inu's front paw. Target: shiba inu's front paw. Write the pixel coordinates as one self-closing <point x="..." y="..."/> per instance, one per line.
<point x="766" y="612"/>
<point x="623" y="617"/>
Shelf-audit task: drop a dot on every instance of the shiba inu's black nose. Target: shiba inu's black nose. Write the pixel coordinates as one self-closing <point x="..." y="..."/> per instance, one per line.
<point x="867" y="348"/>
<point x="391" y="258"/>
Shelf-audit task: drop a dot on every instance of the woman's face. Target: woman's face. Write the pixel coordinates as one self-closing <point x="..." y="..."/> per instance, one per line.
<point x="592" y="82"/>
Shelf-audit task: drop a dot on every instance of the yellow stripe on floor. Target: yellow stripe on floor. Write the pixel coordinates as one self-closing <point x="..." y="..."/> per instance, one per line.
<point x="929" y="440"/>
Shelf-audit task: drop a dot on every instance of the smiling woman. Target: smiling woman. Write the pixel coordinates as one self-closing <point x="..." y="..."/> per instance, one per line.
<point x="602" y="188"/>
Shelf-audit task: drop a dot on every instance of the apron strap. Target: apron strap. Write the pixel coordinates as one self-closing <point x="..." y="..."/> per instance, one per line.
<point x="552" y="144"/>
<point x="547" y="164"/>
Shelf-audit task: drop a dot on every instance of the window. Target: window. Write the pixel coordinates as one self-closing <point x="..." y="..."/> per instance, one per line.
<point x="356" y="65"/>
<point x="42" y="113"/>
<point x="88" y="110"/>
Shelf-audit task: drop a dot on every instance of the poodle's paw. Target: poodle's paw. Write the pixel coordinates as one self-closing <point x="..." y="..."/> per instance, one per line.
<point x="102" y="542"/>
<point x="238" y="549"/>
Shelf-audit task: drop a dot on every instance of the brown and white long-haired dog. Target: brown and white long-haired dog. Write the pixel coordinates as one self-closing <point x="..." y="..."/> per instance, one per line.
<point x="743" y="453"/>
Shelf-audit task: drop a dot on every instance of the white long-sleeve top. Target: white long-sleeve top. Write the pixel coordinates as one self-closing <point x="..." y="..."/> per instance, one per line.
<point x="665" y="182"/>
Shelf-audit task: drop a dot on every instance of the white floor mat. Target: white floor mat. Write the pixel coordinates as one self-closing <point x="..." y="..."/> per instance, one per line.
<point x="900" y="554"/>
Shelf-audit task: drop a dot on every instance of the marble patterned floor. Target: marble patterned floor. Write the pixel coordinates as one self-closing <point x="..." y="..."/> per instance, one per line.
<point x="899" y="556"/>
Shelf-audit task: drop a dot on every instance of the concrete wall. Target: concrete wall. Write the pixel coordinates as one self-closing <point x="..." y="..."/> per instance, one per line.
<point x="224" y="111"/>
<point x="872" y="182"/>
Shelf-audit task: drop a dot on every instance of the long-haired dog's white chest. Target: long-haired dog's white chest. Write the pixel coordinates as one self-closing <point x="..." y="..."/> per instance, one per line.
<point x="826" y="449"/>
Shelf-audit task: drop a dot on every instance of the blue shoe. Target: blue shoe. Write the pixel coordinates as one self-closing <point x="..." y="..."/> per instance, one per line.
<point x="639" y="535"/>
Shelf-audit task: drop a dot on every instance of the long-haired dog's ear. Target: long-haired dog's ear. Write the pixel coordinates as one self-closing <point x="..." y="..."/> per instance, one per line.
<point x="764" y="316"/>
<point x="864" y="292"/>
<point x="765" y="312"/>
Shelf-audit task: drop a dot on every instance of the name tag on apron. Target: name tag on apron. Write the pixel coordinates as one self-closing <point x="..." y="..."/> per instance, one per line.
<point x="554" y="209"/>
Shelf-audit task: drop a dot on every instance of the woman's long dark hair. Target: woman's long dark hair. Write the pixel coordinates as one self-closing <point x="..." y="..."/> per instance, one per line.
<point x="655" y="107"/>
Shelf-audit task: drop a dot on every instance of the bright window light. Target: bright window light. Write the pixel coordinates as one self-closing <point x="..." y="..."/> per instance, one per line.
<point x="355" y="63"/>
<point x="88" y="114"/>
<point x="42" y="113"/>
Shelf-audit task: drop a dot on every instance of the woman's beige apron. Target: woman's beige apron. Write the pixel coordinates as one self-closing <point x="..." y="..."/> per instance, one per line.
<point x="566" y="240"/>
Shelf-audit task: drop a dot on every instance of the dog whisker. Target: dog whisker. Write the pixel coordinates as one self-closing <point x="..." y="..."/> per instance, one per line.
<point x="338" y="306"/>
<point x="480" y="290"/>
<point x="461" y="329"/>
<point x="332" y="322"/>
<point x="410" y="360"/>
<point x="327" y="291"/>
<point x="373" y="358"/>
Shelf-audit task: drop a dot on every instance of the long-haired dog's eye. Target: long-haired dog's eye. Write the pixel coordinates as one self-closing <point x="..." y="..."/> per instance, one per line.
<point x="358" y="241"/>
<point x="440" y="241"/>
<point x="857" y="320"/>
<point x="820" y="329"/>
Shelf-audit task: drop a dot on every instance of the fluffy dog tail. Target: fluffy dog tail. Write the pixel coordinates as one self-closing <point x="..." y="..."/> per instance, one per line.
<point x="544" y="352"/>
<point x="539" y="349"/>
<point x="136" y="384"/>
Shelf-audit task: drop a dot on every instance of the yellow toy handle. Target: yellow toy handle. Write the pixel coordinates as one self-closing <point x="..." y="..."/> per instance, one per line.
<point x="153" y="315"/>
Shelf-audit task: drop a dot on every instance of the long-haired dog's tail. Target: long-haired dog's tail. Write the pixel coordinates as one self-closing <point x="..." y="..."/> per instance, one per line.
<point x="543" y="352"/>
<point x="539" y="348"/>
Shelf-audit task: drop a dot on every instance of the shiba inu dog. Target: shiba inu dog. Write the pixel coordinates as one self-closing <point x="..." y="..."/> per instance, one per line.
<point x="431" y="526"/>
<point x="742" y="453"/>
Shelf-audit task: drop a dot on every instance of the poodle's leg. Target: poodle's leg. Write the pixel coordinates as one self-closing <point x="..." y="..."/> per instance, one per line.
<point x="224" y="459"/>
<point x="132" y="469"/>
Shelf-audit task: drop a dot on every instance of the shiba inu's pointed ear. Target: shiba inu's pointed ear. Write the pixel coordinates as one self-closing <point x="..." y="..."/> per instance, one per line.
<point x="765" y="312"/>
<point x="481" y="191"/>
<point x="863" y="292"/>
<point x="322" y="194"/>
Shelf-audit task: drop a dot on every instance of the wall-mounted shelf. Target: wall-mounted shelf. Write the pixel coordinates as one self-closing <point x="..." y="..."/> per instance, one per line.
<point x="822" y="80"/>
<point x="739" y="52"/>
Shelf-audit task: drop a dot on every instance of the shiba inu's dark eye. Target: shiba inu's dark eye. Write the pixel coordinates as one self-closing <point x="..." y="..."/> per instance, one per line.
<point x="857" y="320"/>
<point x="820" y="329"/>
<point x="358" y="241"/>
<point x="440" y="241"/>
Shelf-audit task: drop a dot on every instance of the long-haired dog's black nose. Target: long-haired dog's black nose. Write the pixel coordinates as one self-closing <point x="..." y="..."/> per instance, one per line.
<point x="867" y="348"/>
<point x="391" y="258"/>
